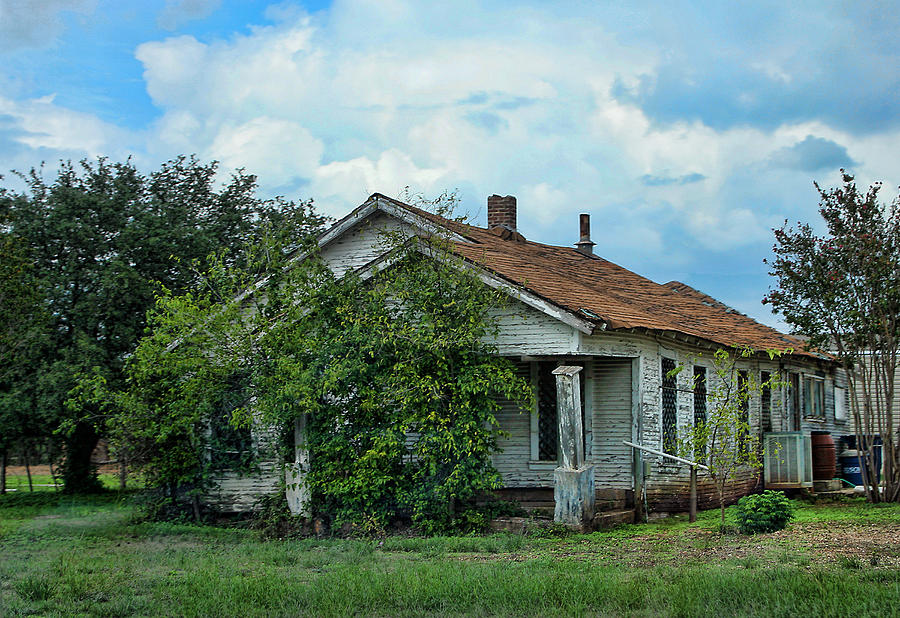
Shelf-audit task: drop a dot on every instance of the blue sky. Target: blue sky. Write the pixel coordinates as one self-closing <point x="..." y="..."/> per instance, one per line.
<point x="688" y="130"/>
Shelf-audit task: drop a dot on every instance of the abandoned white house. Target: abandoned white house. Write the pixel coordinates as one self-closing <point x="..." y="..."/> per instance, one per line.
<point x="572" y="307"/>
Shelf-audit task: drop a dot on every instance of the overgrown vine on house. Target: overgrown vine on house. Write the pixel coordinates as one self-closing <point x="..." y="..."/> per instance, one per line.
<point x="392" y="368"/>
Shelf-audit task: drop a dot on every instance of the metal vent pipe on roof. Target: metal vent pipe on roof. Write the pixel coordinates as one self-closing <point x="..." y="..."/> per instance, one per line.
<point x="584" y="244"/>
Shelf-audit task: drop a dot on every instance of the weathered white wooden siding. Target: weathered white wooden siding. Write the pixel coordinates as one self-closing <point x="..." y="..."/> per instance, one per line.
<point x="238" y="491"/>
<point x="605" y="343"/>
<point x="612" y="416"/>
<point x="650" y="421"/>
<point x="363" y="244"/>
<point x="524" y="330"/>
<point x="608" y="406"/>
<point x="848" y="427"/>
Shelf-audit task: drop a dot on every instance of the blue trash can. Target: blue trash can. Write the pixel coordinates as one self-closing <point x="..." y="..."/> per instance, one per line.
<point x="850" y="469"/>
<point x="850" y="466"/>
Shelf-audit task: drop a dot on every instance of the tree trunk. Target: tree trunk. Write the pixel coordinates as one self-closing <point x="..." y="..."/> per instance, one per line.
<point x="720" y="487"/>
<point x="79" y="474"/>
<point x="195" y="504"/>
<point x="123" y="471"/>
<point x="53" y="476"/>
<point x="28" y="467"/>
<point x="3" y="472"/>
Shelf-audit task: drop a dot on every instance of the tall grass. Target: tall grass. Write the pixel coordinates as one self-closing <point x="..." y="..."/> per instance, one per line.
<point x="84" y="557"/>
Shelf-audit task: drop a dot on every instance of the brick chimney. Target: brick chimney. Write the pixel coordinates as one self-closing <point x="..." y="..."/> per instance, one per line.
<point x="584" y="244"/>
<point x="501" y="212"/>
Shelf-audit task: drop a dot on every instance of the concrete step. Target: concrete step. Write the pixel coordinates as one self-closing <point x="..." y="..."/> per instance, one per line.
<point x="608" y="519"/>
<point x="546" y="509"/>
<point x="829" y="485"/>
<point x="840" y="494"/>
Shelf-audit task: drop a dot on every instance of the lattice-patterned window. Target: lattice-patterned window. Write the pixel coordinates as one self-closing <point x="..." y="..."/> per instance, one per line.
<point x="765" y="404"/>
<point x="230" y="446"/>
<point x="699" y="405"/>
<point x="699" y="395"/>
<point x="744" y="403"/>
<point x="548" y="425"/>
<point x="669" y="407"/>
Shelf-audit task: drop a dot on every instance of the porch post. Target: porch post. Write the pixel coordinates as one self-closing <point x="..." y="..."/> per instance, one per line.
<point x="296" y="491"/>
<point x="573" y="480"/>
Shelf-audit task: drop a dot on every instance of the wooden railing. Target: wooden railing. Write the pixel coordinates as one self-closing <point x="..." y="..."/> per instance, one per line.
<point x="693" y="464"/>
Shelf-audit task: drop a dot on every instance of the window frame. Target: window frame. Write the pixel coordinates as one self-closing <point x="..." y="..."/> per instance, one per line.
<point x="585" y="386"/>
<point x="700" y="394"/>
<point x="813" y="397"/>
<point x="765" y="402"/>
<point x="840" y="403"/>
<point x="668" y="435"/>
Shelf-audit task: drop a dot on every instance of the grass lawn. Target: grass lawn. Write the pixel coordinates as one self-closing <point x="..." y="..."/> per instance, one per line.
<point x="82" y="556"/>
<point x="42" y="480"/>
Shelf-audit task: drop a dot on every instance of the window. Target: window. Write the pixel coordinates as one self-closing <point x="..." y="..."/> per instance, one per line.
<point x="744" y="402"/>
<point x="840" y="404"/>
<point x="699" y="405"/>
<point x="669" y="407"/>
<point x="794" y="400"/>
<point x="765" y="404"/>
<point x="548" y="425"/>
<point x="814" y="397"/>
<point x="699" y="395"/>
<point x="545" y="426"/>
<point x="230" y="446"/>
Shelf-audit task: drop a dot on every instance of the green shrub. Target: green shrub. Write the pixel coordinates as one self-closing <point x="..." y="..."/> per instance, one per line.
<point x="765" y="512"/>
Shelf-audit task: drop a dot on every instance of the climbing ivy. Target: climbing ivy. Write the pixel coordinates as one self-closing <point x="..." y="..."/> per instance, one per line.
<point x="393" y="368"/>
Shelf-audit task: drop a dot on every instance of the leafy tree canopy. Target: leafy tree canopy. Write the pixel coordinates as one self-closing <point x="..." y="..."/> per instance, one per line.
<point x="842" y="290"/>
<point x="100" y="239"/>
<point x="22" y="320"/>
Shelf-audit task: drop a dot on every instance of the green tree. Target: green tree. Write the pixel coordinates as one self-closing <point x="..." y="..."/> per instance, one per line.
<point x="725" y="442"/>
<point x="101" y="238"/>
<point x="22" y="318"/>
<point x="392" y="368"/>
<point x="842" y="290"/>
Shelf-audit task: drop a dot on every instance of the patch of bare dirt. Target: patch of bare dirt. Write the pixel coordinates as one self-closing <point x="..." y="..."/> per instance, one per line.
<point x="868" y="545"/>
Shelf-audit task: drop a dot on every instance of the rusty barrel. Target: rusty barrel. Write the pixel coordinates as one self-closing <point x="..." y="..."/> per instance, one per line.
<point x="824" y="456"/>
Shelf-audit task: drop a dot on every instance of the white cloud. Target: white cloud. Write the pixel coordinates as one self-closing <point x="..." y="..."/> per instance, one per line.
<point x="524" y="100"/>
<point x="281" y="147"/>
<point x="374" y="97"/>
<point x="40" y="124"/>
<point x="348" y="182"/>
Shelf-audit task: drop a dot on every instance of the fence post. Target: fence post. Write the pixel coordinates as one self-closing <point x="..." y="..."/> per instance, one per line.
<point x="693" y="507"/>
